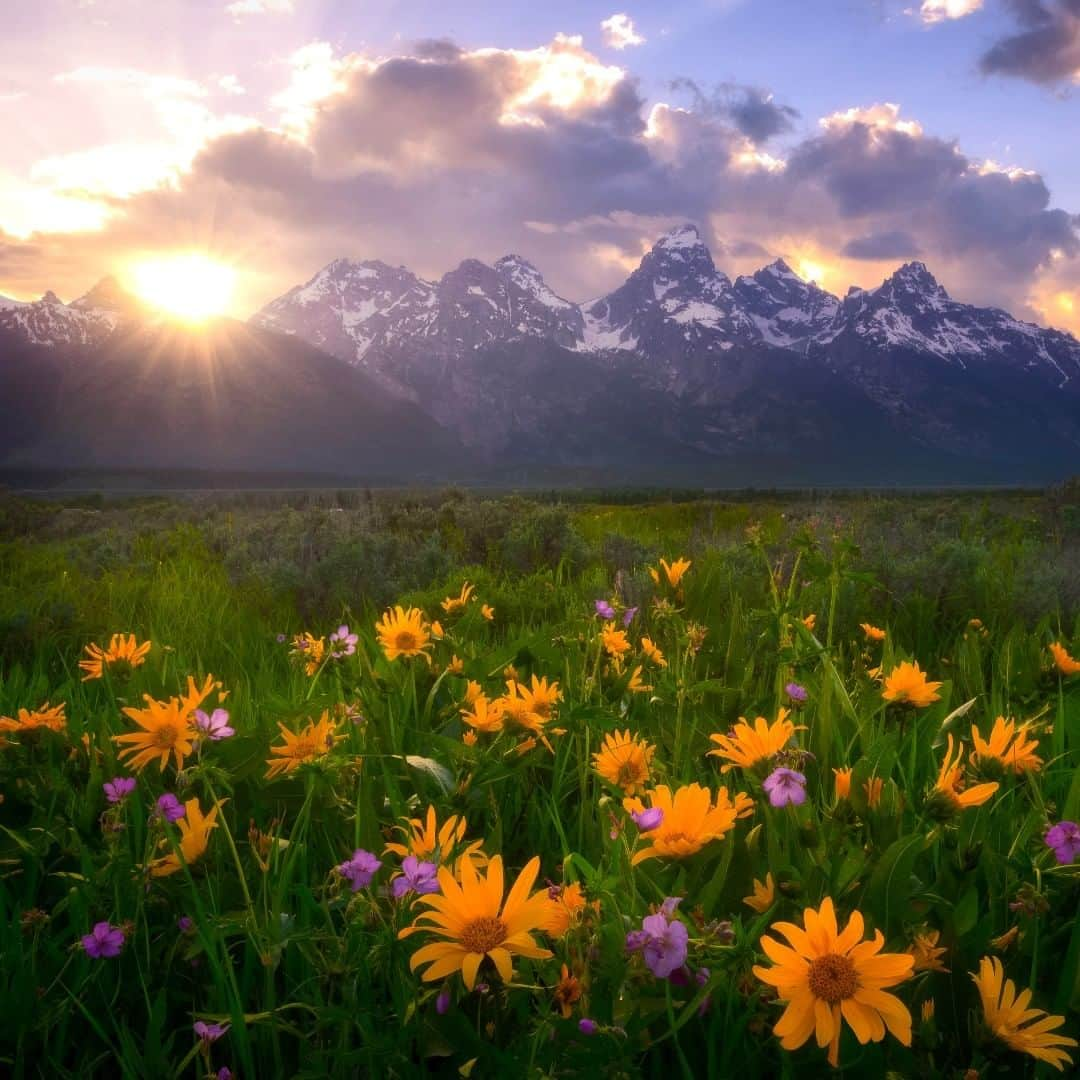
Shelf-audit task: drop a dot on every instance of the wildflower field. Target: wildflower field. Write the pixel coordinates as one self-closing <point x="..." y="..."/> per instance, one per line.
<point x="392" y="786"/>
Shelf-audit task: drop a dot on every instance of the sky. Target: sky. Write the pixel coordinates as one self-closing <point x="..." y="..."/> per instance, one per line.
<point x="846" y="136"/>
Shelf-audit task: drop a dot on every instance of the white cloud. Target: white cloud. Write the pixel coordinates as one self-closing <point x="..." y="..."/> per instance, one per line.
<point x="935" y="11"/>
<point x="619" y="32"/>
<point x="884" y="116"/>
<point x="231" y="85"/>
<point x="239" y="8"/>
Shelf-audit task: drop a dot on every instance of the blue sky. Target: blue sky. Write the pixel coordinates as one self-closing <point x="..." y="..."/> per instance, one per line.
<point x="137" y="127"/>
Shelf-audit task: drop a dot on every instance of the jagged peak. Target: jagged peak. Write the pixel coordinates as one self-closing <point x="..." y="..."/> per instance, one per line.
<point x="915" y="276"/>
<point x="678" y="238"/>
<point x="514" y="260"/>
<point x="107" y="295"/>
<point x="779" y="268"/>
<point x="51" y="298"/>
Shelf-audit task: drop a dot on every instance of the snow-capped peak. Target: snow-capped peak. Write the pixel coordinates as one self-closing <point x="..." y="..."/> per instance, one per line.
<point x="527" y="278"/>
<point x="780" y="269"/>
<point x="682" y="236"/>
<point x="914" y="277"/>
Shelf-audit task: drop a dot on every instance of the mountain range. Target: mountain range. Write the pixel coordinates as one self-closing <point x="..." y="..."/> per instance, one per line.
<point x="766" y="377"/>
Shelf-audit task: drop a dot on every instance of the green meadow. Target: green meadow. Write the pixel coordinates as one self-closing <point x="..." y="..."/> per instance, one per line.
<point x="261" y="933"/>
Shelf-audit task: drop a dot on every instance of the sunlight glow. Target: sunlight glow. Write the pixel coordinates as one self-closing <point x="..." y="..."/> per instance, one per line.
<point x="189" y="286"/>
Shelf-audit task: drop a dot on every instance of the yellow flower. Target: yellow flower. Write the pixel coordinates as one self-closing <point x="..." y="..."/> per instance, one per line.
<point x="430" y="842"/>
<point x="873" y="788"/>
<point x="950" y="782"/>
<point x="614" y="641"/>
<point x="473" y="690"/>
<point x="635" y="685"/>
<point x="1027" y="1031"/>
<point x="121" y="651"/>
<point x="403" y="633"/>
<point x="456" y="603"/>
<point x="510" y="672"/>
<point x="746" y="746"/>
<point x="456" y="665"/>
<point x="542" y="697"/>
<point x="828" y="976"/>
<point x="486" y="716"/>
<point x="475" y="923"/>
<point x="623" y="760"/>
<point x="927" y="953"/>
<point x="46" y="716"/>
<point x="437" y="629"/>
<point x="1064" y="662"/>
<point x="908" y="685"/>
<point x="195" y="832"/>
<point x="488" y="612"/>
<point x="653" y="652"/>
<point x="810" y="621"/>
<point x="1005" y="941"/>
<point x="313" y="742"/>
<point x="310" y="650"/>
<point x="843" y="783"/>
<point x="1008" y="744"/>
<point x="167" y="729"/>
<point x="742" y="804"/>
<point x="691" y="820"/>
<point x="516" y="707"/>
<point x="196" y="695"/>
<point x="563" y="909"/>
<point x="567" y="992"/>
<point x="671" y="572"/>
<point x="761" y="899"/>
<point x="873" y="633"/>
<point x="468" y="738"/>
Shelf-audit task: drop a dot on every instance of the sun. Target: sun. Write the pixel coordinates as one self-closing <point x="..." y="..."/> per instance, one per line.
<point x="189" y="286"/>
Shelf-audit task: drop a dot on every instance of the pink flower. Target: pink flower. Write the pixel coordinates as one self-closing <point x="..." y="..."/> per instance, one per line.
<point x="119" y="788"/>
<point x="785" y="787"/>
<point x="1064" y="840"/>
<point x="215" y="726"/>
<point x="416" y="876"/>
<point x="103" y="941"/>
<point x="360" y="869"/>
<point x="170" y="807"/>
<point x="649" y="819"/>
<point x="209" y="1033"/>
<point x="341" y="636"/>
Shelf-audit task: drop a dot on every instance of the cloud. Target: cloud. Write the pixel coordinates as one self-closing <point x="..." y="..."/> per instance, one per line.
<point x="239" y="8"/>
<point x="894" y="244"/>
<point x="751" y="109"/>
<point x="935" y="11"/>
<point x="1046" y="48"/>
<point x="619" y="32"/>
<point x="442" y="153"/>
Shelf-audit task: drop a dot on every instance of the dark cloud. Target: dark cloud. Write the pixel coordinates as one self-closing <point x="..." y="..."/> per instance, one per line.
<point x="894" y="244"/>
<point x="1047" y="48"/>
<point x="750" y="108"/>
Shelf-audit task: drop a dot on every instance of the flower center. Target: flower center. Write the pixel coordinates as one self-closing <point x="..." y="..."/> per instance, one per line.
<point x="405" y="641"/>
<point x="630" y="772"/>
<point x="305" y="747"/>
<point x="165" y="735"/>
<point x="483" y="934"/>
<point x="833" y="978"/>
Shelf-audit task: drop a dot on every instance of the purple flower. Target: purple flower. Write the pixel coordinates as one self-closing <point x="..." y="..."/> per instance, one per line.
<point x="1064" y="839"/>
<point x="119" y="788"/>
<point x="103" y="941"/>
<point x="341" y="636"/>
<point x="785" y="787"/>
<point x="185" y="924"/>
<point x="648" y="819"/>
<point x="670" y="906"/>
<point x="215" y="726"/>
<point x="796" y="692"/>
<point x="666" y="948"/>
<point x="360" y="869"/>
<point x="281" y="639"/>
<point x="587" y="1026"/>
<point x="224" y="1073"/>
<point x="209" y="1033"/>
<point x="416" y="876"/>
<point x="635" y="940"/>
<point x="170" y="807"/>
<point x="604" y="609"/>
<point x="628" y="615"/>
<point x="442" y="1002"/>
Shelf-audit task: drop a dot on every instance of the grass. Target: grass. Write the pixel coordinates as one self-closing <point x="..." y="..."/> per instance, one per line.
<point x="313" y="978"/>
